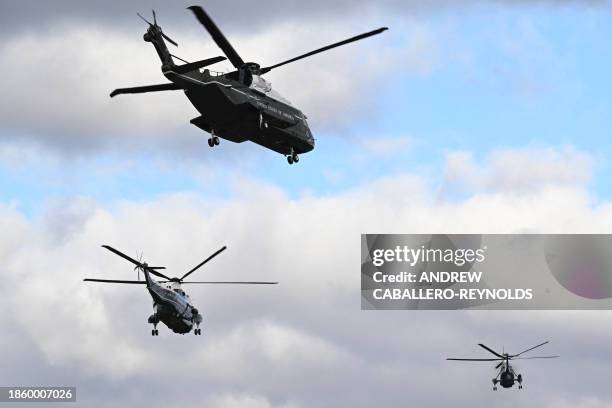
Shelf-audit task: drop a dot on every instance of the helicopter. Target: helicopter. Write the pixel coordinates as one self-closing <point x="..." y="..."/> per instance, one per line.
<point x="507" y="376"/>
<point x="171" y="305"/>
<point x="240" y="105"/>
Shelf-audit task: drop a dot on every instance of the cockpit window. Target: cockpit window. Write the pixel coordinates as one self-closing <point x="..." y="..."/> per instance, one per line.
<point x="259" y="84"/>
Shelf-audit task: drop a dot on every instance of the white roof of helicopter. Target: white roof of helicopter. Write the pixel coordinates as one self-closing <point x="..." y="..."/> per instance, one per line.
<point x="174" y="286"/>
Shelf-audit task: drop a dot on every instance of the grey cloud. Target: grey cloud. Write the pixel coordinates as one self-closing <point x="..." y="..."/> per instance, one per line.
<point x="304" y="343"/>
<point x="240" y="15"/>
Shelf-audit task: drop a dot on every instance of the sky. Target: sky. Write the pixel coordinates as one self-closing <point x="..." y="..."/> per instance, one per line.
<point x="463" y="117"/>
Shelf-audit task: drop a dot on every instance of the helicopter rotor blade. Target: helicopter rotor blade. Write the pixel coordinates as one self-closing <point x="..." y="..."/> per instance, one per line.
<point x="154" y="24"/>
<point x="144" y="19"/>
<point x="202" y="263"/>
<point x="115" y="281"/>
<point x="121" y="254"/>
<point x="329" y="47"/>
<point x="491" y="351"/>
<point x="529" y="349"/>
<point x="475" y="359"/>
<point x="234" y="282"/>
<point x="217" y="36"/>
<point x="192" y="66"/>
<point x="135" y="262"/>
<point x="170" y="40"/>
<point x="154" y="272"/>
<point x="499" y="365"/>
<point x="533" y="358"/>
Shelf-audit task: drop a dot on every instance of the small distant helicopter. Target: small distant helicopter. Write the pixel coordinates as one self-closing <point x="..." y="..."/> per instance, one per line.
<point x="240" y="105"/>
<point x="506" y="376"/>
<point x="171" y="305"/>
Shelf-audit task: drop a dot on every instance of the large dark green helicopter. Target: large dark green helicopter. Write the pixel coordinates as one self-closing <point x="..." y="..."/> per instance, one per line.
<point x="240" y="105"/>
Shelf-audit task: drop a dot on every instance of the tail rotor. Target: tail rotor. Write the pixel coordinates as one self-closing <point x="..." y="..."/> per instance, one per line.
<point x="138" y="267"/>
<point x="156" y="29"/>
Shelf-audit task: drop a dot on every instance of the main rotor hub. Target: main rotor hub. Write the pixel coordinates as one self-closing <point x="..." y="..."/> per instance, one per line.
<point x="253" y="67"/>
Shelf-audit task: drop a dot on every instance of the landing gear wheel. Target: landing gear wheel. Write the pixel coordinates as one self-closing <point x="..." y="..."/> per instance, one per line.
<point x="520" y="387"/>
<point x="494" y="388"/>
<point x="152" y="332"/>
<point x="293" y="157"/>
<point x="213" y="141"/>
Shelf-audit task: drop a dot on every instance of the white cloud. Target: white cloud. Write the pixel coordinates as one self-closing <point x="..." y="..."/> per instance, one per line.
<point x="239" y="355"/>
<point x="287" y="345"/>
<point x="519" y="170"/>
<point x="65" y="218"/>
<point x="60" y="87"/>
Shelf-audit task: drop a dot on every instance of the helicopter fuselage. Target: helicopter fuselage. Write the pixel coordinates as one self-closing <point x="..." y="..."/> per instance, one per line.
<point x="506" y="379"/>
<point x="234" y="111"/>
<point x="172" y="307"/>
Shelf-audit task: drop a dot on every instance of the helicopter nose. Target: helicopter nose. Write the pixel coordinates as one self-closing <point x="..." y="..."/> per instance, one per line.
<point x="147" y="37"/>
<point x="311" y="142"/>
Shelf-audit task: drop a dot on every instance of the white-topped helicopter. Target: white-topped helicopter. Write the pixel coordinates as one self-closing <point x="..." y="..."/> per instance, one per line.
<point x="506" y="376"/>
<point x="171" y="305"/>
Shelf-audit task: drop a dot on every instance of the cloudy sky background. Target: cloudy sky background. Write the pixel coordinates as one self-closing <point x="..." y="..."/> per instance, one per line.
<point x="462" y="118"/>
